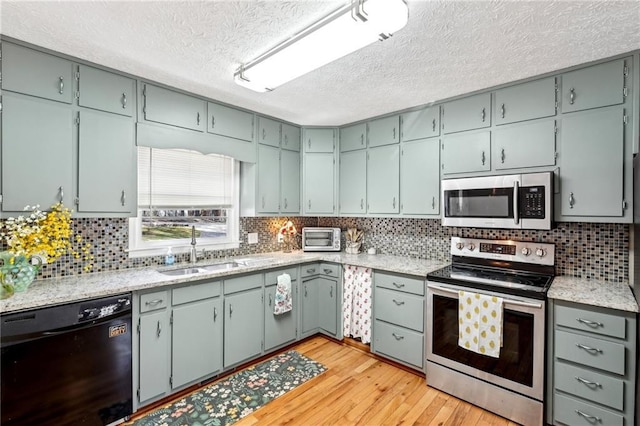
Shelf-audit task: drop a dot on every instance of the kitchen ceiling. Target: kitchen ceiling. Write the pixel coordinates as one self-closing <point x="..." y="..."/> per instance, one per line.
<point x="448" y="47"/>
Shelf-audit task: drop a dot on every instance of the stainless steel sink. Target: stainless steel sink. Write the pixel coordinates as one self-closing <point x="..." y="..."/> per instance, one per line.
<point x="182" y="271"/>
<point x="199" y="270"/>
<point x="221" y="266"/>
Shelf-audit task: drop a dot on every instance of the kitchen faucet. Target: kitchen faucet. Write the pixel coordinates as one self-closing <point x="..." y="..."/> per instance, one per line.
<point x="193" y="258"/>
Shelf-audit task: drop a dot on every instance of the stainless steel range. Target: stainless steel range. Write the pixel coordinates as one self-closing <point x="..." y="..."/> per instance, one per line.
<point x="518" y="274"/>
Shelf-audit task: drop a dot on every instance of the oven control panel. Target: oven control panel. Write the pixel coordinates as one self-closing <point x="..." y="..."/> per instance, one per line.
<point x="508" y="250"/>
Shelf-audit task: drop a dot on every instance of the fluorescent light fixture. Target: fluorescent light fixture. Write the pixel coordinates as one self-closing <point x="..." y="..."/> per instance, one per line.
<point x="346" y="30"/>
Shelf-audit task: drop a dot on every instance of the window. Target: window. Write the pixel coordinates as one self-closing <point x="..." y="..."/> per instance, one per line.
<point x="179" y="189"/>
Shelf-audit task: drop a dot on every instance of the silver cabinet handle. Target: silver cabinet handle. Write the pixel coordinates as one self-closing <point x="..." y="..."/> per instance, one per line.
<point x="215" y="314"/>
<point x="502" y="110"/>
<point x="398" y="285"/>
<point x="154" y="302"/>
<point x="589" y="348"/>
<point x="483" y="158"/>
<point x="158" y="329"/>
<point x="61" y="193"/>
<point x="198" y="119"/>
<point x="571" y="200"/>
<point x="361" y="138"/>
<point x="124" y="100"/>
<point x="361" y="203"/>
<point x="484" y="114"/>
<point x="309" y="204"/>
<point x="331" y="292"/>
<point x="502" y="155"/>
<point x="393" y="203"/>
<point x="269" y="299"/>
<point x="311" y="271"/>
<point x="309" y="143"/>
<point x="123" y="198"/>
<point x="230" y="310"/>
<point x="433" y="203"/>
<point x="328" y="271"/>
<point x="572" y="95"/>
<point x="398" y="303"/>
<point x="305" y="291"/>
<point x="213" y="121"/>
<point x="589" y="417"/>
<point x="286" y="140"/>
<point x="397" y="336"/>
<point x="285" y="203"/>
<point x="61" y="85"/>
<point x="588" y="382"/>
<point x="264" y="134"/>
<point x="434" y="125"/>
<point x="594" y="324"/>
<point x="394" y="133"/>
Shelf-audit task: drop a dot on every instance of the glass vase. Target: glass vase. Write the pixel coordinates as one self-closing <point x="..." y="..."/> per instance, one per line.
<point x="17" y="272"/>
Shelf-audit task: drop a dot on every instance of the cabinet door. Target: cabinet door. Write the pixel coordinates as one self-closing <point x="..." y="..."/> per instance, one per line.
<point x="106" y="91"/>
<point x="384" y="131"/>
<point x="420" y="177"/>
<point x="353" y="182"/>
<point x="37" y="153"/>
<point x="472" y="112"/>
<point x="319" y="140"/>
<point x="153" y="364"/>
<point x="310" y="309"/>
<point x="591" y="164"/>
<point x="525" y="145"/>
<point x="596" y="86"/>
<point x="268" y="131"/>
<point x="420" y="124"/>
<point x="230" y="122"/>
<point x="289" y="181"/>
<point x="106" y="148"/>
<point x="319" y="183"/>
<point x="268" y="179"/>
<point x="196" y="341"/>
<point x="35" y="73"/>
<point x="383" y="179"/>
<point x="278" y="329"/>
<point x="467" y="152"/>
<point x="526" y="101"/>
<point x="243" y="326"/>
<point x="327" y="300"/>
<point x="173" y="108"/>
<point x="353" y="137"/>
<point x="290" y="137"/>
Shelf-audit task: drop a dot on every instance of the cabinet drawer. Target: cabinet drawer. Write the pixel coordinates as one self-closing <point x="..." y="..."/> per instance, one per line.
<point x="399" y="343"/>
<point x="591" y="352"/>
<point x="595" y="320"/>
<point x="154" y="301"/>
<point x="106" y="91"/>
<point x="195" y="292"/>
<point x="593" y="87"/>
<point x="572" y="412"/>
<point x="399" y="308"/>
<point x="309" y="270"/>
<point x="590" y="385"/>
<point x="330" y="269"/>
<point x="271" y="278"/>
<point x="235" y="285"/>
<point x="398" y="282"/>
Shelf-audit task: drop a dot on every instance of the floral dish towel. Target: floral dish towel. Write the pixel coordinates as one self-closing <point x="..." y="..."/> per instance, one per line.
<point x="357" y="302"/>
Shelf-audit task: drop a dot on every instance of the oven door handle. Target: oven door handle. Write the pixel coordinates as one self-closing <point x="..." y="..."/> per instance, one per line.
<point x="505" y="301"/>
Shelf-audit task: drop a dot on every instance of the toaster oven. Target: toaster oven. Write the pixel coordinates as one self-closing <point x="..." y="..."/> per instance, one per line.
<point x="320" y="239"/>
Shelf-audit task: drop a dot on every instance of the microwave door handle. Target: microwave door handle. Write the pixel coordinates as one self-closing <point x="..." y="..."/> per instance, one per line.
<point x="516" y="195"/>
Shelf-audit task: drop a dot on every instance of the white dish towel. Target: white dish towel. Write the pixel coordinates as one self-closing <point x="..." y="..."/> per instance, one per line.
<point x="283" y="301"/>
<point x="480" y="320"/>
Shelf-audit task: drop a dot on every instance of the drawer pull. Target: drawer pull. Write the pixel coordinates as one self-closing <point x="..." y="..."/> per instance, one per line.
<point x="311" y="271"/>
<point x="398" y="303"/>
<point x="398" y="285"/>
<point x="328" y="271"/>
<point x="594" y="324"/>
<point x="397" y="336"/>
<point x="589" y="417"/>
<point x="589" y="348"/>
<point x="154" y="302"/>
<point x="588" y="382"/>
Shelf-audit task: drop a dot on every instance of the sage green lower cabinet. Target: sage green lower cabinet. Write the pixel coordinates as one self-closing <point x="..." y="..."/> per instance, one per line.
<point x="353" y="182"/>
<point x="321" y="299"/>
<point x="420" y="177"/>
<point x="279" y="329"/>
<point x="328" y="305"/>
<point x="310" y="306"/>
<point x="466" y="152"/>
<point x="383" y="179"/>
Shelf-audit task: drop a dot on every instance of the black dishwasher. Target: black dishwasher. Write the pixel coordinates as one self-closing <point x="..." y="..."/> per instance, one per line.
<point x="68" y="364"/>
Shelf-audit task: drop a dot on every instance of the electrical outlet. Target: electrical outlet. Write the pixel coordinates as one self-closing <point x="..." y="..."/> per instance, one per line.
<point x="252" y="238"/>
<point x="280" y="238"/>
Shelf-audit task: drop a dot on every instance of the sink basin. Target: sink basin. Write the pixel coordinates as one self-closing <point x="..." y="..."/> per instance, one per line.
<point x="182" y="271"/>
<point x="221" y="266"/>
<point x="198" y="270"/>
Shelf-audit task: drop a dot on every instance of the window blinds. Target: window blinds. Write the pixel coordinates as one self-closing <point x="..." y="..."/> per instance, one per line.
<point x="176" y="178"/>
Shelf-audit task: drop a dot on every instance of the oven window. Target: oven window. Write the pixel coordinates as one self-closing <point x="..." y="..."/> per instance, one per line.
<point x="516" y="355"/>
<point x="492" y="203"/>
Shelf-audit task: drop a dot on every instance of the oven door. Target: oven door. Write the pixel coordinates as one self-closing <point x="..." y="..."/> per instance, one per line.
<point x="519" y="368"/>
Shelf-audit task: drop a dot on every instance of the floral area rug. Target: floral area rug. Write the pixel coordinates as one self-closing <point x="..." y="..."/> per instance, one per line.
<point x="226" y="401"/>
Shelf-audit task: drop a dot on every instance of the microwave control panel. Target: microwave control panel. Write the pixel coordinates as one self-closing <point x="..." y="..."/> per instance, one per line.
<point x="532" y="202"/>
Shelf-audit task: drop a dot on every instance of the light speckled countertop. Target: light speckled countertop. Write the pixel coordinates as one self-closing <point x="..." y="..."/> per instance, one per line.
<point x="68" y="289"/>
<point x="596" y="293"/>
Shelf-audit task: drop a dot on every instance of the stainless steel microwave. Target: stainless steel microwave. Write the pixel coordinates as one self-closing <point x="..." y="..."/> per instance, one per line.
<point x="320" y="239"/>
<point x="523" y="201"/>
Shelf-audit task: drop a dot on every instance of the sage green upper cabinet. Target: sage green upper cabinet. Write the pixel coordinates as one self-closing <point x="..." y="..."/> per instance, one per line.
<point x="472" y="112"/>
<point x="230" y="122"/>
<point x="289" y="181"/>
<point x="535" y="99"/>
<point x="37" y="153"/>
<point x="591" y="160"/>
<point x="420" y="177"/>
<point x="268" y="131"/>
<point x="268" y="179"/>
<point x="319" y="183"/>
<point x="596" y="86"/>
<point x="35" y="73"/>
<point x="106" y="148"/>
<point x="353" y="137"/>
<point x="466" y="152"/>
<point x="173" y="108"/>
<point x="383" y="180"/>
<point x="421" y="124"/>
<point x="524" y="145"/>
<point x="319" y="140"/>
<point x="353" y="182"/>
<point x="290" y="137"/>
<point x="106" y="91"/>
<point x="384" y="131"/>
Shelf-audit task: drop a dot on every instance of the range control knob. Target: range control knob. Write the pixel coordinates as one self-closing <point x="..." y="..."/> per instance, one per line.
<point x="540" y="252"/>
<point x="472" y="247"/>
<point x="459" y="246"/>
<point x="526" y="251"/>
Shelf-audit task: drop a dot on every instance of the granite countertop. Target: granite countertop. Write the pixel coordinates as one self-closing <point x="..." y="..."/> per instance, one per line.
<point x="611" y="295"/>
<point x="69" y="289"/>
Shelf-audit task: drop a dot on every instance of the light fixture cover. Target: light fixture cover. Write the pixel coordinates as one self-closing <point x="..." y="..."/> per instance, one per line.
<point x="343" y="32"/>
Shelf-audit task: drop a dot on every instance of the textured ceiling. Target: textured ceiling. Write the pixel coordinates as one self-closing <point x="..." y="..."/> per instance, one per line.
<point x="447" y="48"/>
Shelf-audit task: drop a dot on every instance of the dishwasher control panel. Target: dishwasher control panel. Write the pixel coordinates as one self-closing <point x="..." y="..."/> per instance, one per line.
<point x="93" y="310"/>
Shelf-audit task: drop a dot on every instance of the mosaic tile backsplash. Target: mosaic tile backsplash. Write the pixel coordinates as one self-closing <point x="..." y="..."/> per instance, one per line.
<point x="588" y="250"/>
